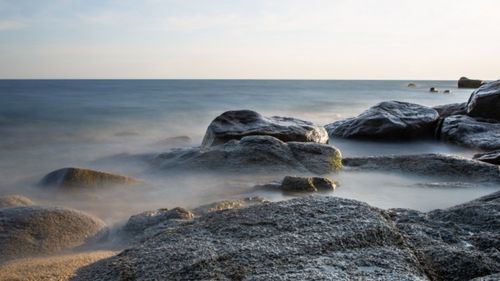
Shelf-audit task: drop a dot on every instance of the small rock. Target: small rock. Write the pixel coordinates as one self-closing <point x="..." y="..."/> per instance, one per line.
<point x="433" y="90"/>
<point x="138" y="223"/>
<point x="412" y="85"/>
<point x="465" y="82"/>
<point x="78" y="177"/>
<point x="307" y="184"/>
<point x="14" y="200"/>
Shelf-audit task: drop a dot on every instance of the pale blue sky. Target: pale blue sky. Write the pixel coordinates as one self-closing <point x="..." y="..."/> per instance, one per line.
<point x="315" y="39"/>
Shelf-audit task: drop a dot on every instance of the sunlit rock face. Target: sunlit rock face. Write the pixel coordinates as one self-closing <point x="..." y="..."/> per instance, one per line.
<point x="234" y="125"/>
<point x="390" y="120"/>
<point x="485" y="102"/>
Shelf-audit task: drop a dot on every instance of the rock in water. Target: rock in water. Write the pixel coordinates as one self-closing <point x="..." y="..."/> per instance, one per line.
<point x="465" y="82"/>
<point x="467" y="131"/>
<point x="485" y="102"/>
<point x="451" y="109"/>
<point x="432" y="165"/>
<point x="259" y="154"/>
<point x="234" y="125"/>
<point x="390" y="120"/>
<point x="306" y="184"/>
<point x="14" y="201"/>
<point x="138" y="223"/>
<point x="492" y="157"/>
<point x="34" y="230"/>
<point x="77" y="177"/>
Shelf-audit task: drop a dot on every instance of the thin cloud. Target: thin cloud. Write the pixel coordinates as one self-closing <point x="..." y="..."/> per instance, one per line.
<point x="6" y="25"/>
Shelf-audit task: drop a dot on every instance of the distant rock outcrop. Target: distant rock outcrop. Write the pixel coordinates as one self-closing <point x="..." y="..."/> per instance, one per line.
<point x="465" y="82"/>
<point x="78" y="177"/>
<point x="234" y="125"/>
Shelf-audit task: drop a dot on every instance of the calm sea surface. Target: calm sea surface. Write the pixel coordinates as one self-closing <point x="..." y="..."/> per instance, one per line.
<point x="49" y="124"/>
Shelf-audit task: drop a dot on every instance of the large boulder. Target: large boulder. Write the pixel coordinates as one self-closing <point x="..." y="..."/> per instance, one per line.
<point x="492" y="157"/>
<point x="234" y="125"/>
<point x="447" y="167"/>
<point x="254" y="154"/>
<point x="34" y="230"/>
<point x="485" y="101"/>
<point x="467" y="131"/>
<point x="467" y="83"/>
<point x="451" y="109"/>
<point x="78" y="177"/>
<point x="14" y="201"/>
<point x="318" y="238"/>
<point x="390" y="120"/>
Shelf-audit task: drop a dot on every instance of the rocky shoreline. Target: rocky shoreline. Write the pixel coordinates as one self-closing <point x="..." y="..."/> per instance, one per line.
<point x="308" y="238"/>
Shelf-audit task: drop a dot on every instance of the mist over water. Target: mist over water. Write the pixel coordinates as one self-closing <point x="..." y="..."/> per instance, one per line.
<point x="51" y="124"/>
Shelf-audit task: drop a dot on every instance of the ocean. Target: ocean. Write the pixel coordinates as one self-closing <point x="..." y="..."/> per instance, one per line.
<point x="49" y="124"/>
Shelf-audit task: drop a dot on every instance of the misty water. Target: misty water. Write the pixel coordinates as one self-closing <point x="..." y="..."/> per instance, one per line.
<point x="50" y="124"/>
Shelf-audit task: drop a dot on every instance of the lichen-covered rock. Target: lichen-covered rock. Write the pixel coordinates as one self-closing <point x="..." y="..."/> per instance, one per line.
<point x="78" y="177"/>
<point x="234" y="125"/>
<point x="261" y="154"/>
<point x="390" y="120"/>
<point x="469" y="132"/>
<point x="431" y="165"/>
<point x="138" y="223"/>
<point x="14" y="200"/>
<point x="34" y="230"/>
<point x="492" y="157"/>
<point x="485" y="101"/>
<point x="465" y="82"/>
<point x="451" y="109"/>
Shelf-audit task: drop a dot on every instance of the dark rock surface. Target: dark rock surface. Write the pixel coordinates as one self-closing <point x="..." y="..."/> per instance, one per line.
<point x="138" y="223"/>
<point x="34" y="230"/>
<point x="492" y="157"/>
<point x="485" y="102"/>
<point x="391" y="120"/>
<point x="78" y="177"/>
<point x="431" y="165"/>
<point x="465" y="82"/>
<point x="14" y="201"/>
<point x="467" y="131"/>
<point x="229" y="205"/>
<point x="254" y="154"/>
<point x="234" y="125"/>
<point x="319" y="238"/>
<point x="451" y="109"/>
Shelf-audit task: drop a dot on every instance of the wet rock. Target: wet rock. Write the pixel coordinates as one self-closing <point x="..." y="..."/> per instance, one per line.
<point x="433" y="90"/>
<point x="391" y="120"/>
<point x="485" y="102"/>
<point x="465" y="82"/>
<point x="14" y="200"/>
<point x="445" y="167"/>
<point x="312" y="238"/>
<point x="34" y="230"/>
<point x="492" y="157"/>
<point x="139" y="223"/>
<point x="411" y="85"/>
<point x="451" y="109"/>
<point x="234" y="125"/>
<point x="78" y="177"/>
<point x="260" y="154"/>
<point x="293" y="184"/>
<point x="467" y="131"/>
<point x="229" y="205"/>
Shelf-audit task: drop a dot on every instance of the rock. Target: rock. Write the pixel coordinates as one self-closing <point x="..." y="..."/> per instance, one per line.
<point x="467" y="131"/>
<point x="411" y="85"/>
<point x="492" y="157"/>
<point x="14" y="201"/>
<point x="447" y="92"/>
<point x="311" y="238"/>
<point x="261" y="154"/>
<point x="229" y="205"/>
<point x="34" y="230"/>
<point x="78" y="177"/>
<point x="451" y="109"/>
<point x="234" y="125"/>
<point x="431" y="165"/>
<point x="307" y="184"/>
<point x="138" y="223"/>
<point x="433" y="90"/>
<point x="391" y="120"/>
<point x="485" y="102"/>
<point x="465" y="82"/>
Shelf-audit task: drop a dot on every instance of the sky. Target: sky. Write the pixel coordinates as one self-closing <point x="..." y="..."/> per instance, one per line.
<point x="259" y="39"/>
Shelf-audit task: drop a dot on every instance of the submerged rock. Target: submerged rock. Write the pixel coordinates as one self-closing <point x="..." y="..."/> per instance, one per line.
<point x="390" y="120"/>
<point x="34" y="230"/>
<point x="255" y="154"/>
<point x="234" y="125"/>
<point x="78" y="177"/>
<point x="14" y="201"/>
<point x="465" y="82"/>
<point x="467" y="131"/>
<point x="432" y="165"/>
<point x="451" y="109"/>
<point x="485" y="102"/>
<point x="492" y="157"/>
